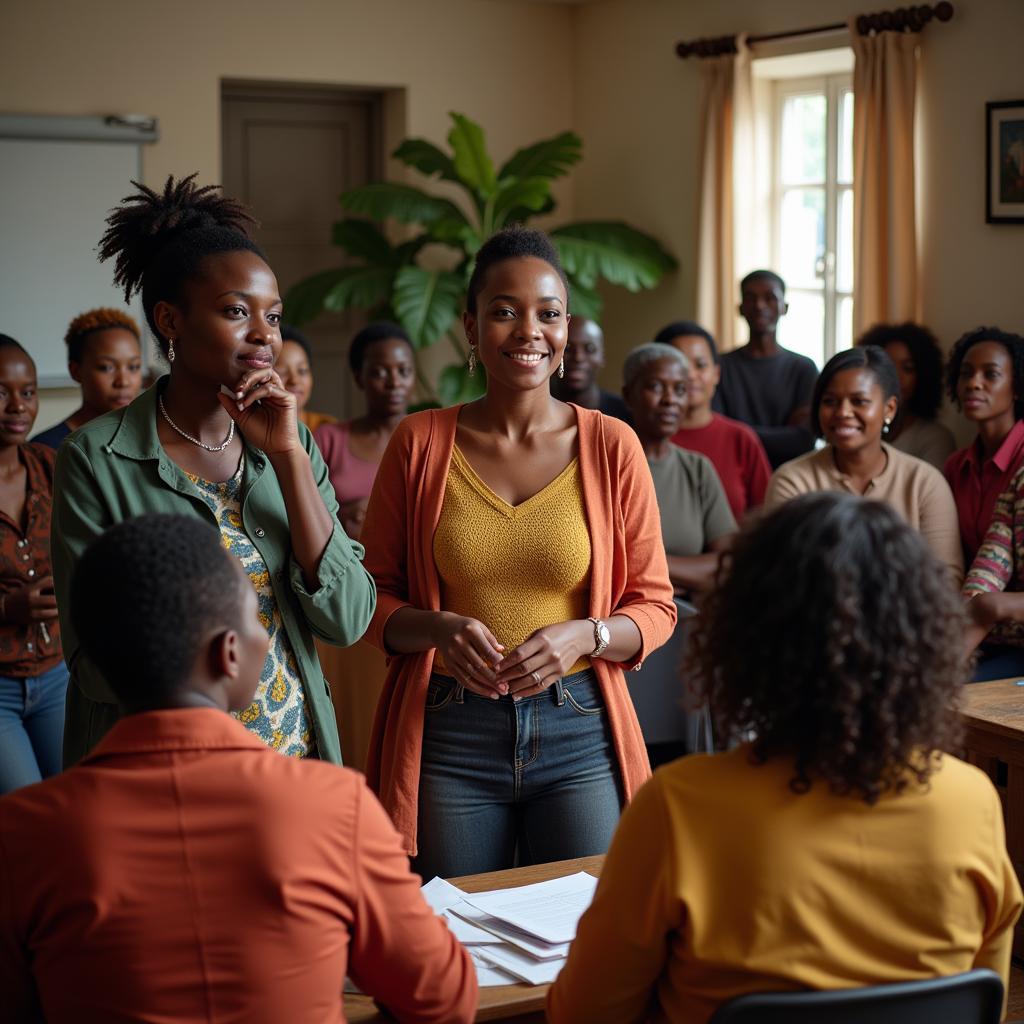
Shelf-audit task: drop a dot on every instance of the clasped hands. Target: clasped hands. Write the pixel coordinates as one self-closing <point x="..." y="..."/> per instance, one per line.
<point x="475" y="659"/>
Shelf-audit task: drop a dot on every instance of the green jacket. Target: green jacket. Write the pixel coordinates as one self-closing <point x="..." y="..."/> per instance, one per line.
<point x="114" y="468"/>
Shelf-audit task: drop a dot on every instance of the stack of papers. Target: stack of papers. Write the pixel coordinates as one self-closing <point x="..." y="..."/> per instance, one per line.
<point x="515" y="935"/>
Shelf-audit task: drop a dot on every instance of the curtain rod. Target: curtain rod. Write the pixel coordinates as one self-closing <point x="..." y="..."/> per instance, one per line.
<point x="913" y="18"/>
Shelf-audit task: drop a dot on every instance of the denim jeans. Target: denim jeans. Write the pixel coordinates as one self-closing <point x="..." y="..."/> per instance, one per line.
<point x="998" y="661"/>
<point x="505" y="781"/>
<point x="31" y="727"/>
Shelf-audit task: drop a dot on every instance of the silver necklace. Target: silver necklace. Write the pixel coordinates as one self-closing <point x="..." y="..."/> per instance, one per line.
<point x="195" y="440"/>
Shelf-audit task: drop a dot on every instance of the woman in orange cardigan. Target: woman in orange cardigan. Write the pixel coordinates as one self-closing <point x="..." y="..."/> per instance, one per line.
<point x="516" y="546"/>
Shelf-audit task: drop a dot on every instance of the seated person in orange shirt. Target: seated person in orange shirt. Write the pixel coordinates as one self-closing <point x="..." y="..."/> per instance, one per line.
<point x="184" y="871"/>
<point x="834" y="845"/>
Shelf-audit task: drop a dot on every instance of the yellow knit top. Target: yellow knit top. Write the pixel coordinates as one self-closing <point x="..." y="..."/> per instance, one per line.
<point x="516" y="568"/>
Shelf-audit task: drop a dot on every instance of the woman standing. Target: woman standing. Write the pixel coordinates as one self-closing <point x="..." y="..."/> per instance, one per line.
<point x="105" y="360"/>
<point x="985" y="378"/>
<point x="734" y="449"/>
<point x="518" y="558"/>
<point x="696" y="526"/>
<point x="33" y="676"/>
<point x="217" y="438"/>
<point x="837" y="844"/>
<point x="383" y="365"/>
<point x="918" y="361"/>
<point x="855" y="402"/>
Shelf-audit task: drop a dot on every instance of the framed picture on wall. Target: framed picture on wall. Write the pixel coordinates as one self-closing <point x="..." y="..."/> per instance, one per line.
<point x="1004" y="162"/>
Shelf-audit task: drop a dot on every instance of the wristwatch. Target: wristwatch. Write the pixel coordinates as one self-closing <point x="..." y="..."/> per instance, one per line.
<point x="602" y="637"/>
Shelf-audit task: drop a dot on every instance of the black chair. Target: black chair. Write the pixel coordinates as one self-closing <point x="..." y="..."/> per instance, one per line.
<point x="972" y="998"/>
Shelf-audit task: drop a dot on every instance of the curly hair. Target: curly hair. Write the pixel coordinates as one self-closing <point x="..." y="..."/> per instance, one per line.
<point x="86" y="324"/>
<point x="1014" y="345"/>
<point x="513" y="242"/>
<point x="834" y="639"/>
<point x="159" y="240"/>
<point x="867" y="357"/>
<point x="173" y="583"/>
<point x="927" y="356"/>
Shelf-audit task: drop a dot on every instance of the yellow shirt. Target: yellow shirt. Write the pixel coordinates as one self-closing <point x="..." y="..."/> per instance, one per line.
<point x="515" y="568"/>
<point x="721" y="881"/>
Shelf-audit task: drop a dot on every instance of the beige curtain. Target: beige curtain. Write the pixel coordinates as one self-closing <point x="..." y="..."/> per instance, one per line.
<point x="725" y="113"/>
<point x="884" y="221"/>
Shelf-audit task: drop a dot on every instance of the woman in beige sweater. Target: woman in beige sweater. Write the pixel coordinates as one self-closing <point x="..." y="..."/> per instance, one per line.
<point x="855" y="401"/>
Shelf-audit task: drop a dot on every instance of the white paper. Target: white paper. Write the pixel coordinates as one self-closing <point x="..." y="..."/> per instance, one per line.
<point x="502" y="931"/>
<point x="466" y="932"/>
<point x="441" y="894"/>
<point x="522" y="965"/>
<point x="488" y="976"/>
<point x="548" y="910"/>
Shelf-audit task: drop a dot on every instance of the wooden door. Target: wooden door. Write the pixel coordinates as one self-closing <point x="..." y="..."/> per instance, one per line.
<point x="288" y="154"/>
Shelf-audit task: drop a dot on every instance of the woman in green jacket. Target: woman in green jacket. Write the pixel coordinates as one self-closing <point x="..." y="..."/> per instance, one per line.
<point x="217" y="438"/>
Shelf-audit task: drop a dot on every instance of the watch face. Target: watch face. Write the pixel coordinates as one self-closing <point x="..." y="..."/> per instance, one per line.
<point x="604" y="633"/>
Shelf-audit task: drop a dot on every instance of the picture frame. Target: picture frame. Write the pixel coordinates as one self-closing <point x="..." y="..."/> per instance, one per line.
<point x="1004" y="162"/>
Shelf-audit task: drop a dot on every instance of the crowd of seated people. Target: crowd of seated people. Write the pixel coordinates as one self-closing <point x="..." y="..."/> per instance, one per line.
<point x="513" y="558"/>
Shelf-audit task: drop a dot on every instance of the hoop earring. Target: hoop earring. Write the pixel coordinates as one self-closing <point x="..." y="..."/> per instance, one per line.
<point x="561" y="368"/>
<point x="170" y="350"/>
<point x="472" y="360"/>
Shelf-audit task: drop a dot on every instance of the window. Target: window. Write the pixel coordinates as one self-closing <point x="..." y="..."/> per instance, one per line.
<point x="812" y="211"/>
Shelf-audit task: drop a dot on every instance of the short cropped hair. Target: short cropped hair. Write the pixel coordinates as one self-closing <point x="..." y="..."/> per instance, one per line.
<point x="6" y="341"/>
<point x="289" y="333"/>
<point x="381" y="330"/>
<point x="927" y="356"/>
<point x="763" y="275"/>
<point x="85" y="325"/>
<point x="143" y="596"/>
<point x="866" y="357"/>
<point x="513" y="242"/>
<point x="834" y="639"/>
<point x="1014" y="345"/>
<point x="682" y="328"/>
<point x="643" y="355"/>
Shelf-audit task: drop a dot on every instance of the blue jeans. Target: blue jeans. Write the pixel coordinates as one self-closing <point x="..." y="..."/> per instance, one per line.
<point x="31" y="727"/>
<point x="998" y="661"/>
<point x="535" y="777"/>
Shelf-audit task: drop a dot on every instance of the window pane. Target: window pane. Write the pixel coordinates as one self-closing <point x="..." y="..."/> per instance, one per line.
<point x="844" y="255"/>
<point x="844" y="324"/>
<point x="802" y="237"/>
<point x="846" y="138"/>
<point x="803" y="140"/>
<point x="802" y="329"/>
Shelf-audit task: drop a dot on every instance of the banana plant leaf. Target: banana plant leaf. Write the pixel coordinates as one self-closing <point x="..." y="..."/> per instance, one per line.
<point x="305" y="300"/>
<point x="364" y="240"/>
<point x="584" y="301"/>
<point x="513" y="194"/>
<point x="612" y="250"/>
<point x="383" y="199"/>
<point x="426" y="302"/>
<point x="473" y="164"/>
<point x="426" y="158"/>
<point x="549" y="158"/>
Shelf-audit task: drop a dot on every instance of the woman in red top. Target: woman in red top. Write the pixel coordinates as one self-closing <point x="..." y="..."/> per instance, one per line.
<point x="734" y="449"/>
<point x="33" y="676"/>
<point x="512" y="746"/>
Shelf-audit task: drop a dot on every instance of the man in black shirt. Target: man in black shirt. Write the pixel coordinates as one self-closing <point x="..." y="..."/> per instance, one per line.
<point x="584" y="357"/>
<point x="764" y="384"/>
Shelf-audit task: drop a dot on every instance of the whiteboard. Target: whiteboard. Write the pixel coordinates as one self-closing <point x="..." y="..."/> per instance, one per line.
<point x="54" y="197"/>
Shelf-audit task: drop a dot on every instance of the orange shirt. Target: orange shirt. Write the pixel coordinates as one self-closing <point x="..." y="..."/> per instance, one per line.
<point x="184" y="871"/>
<point x="628" y="576"/>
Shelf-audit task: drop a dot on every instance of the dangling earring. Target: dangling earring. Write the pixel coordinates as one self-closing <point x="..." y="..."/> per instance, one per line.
<point x="170" y="350"/>
<point x="561" y="368"/>
<point x="885" y="429"/>
<point x="472" y="360"/>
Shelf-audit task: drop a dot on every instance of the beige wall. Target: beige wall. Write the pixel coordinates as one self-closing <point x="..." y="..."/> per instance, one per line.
<point x="636" y="108"/>
<point x="506" y="64"/>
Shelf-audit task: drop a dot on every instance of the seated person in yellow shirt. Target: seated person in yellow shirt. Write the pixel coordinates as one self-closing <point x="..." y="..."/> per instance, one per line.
<point x="837" y="847"/>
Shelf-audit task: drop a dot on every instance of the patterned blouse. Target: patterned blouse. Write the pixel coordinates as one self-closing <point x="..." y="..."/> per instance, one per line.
<point x="278" y="713"/>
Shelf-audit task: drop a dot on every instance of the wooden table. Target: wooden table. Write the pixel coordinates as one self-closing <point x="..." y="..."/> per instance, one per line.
<point x="523" y="1004"/>
<point x="993" y="716"/>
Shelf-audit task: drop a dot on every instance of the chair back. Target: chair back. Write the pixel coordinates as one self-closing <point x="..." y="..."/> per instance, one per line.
<point x="972" y="998"/>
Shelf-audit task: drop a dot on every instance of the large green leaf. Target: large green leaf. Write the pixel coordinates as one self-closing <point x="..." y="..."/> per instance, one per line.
<point x="426" y="158"/>
<point x="584" y="301"/>
<point x="455" y="385"/>
<point x="550" y="158"/>
<point x="473" y="164"/>
<point x="521" y="214"/>
<point x="527" y="193"/>
<point x="426" y="302"/>
<point x="360" y="288"/>
<point x="305" y="300"/>
<point x="614" y="251"/>
<point x="364" y="240"/>
<point x="384" y="199"/>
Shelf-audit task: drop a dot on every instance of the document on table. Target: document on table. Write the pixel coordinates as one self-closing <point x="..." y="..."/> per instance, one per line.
<point x="522" y="965"/>
<point x="442" y="896"/>
<point x="549" y="910"/>
<point x="500" y="931"/>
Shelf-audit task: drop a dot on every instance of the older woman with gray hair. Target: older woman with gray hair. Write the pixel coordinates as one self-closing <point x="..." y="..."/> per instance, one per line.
<point x="696" y="525"/>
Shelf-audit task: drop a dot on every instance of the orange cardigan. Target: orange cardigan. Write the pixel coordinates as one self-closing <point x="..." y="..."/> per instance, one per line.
<point x="629" y="576"/>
